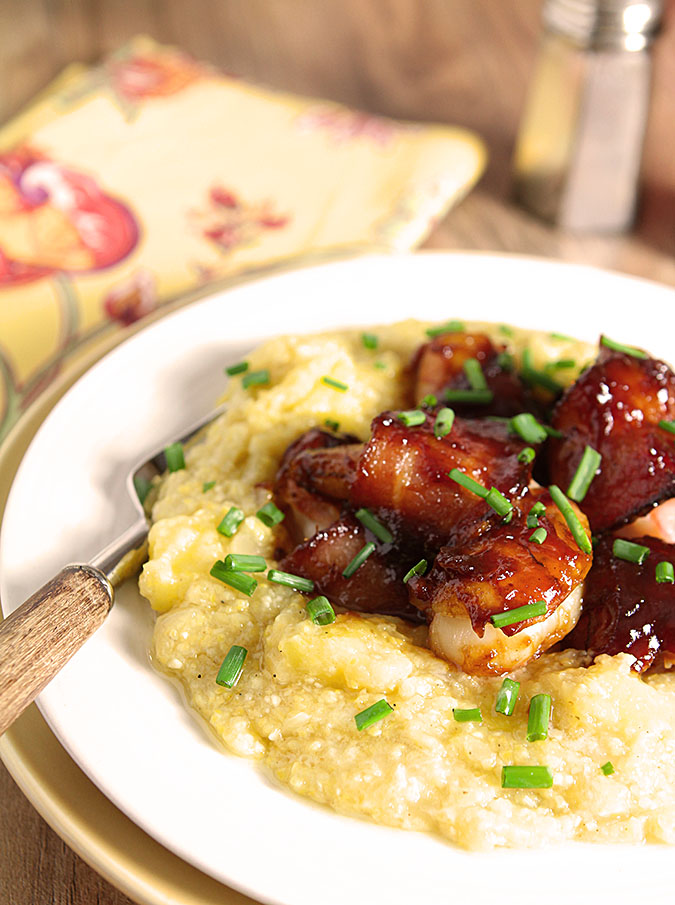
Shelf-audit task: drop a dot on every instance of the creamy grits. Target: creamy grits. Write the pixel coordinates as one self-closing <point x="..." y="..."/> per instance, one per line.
<point x="302" y="684"/>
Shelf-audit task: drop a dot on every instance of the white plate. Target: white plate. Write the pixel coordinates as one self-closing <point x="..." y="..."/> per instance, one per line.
<point x="128" y="728"/>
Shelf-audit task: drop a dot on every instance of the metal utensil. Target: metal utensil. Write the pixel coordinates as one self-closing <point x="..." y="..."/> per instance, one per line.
<point x="41" y="635"/>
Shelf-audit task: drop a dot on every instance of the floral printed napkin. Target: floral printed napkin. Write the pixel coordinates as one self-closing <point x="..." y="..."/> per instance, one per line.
<point x="129" y="184"/>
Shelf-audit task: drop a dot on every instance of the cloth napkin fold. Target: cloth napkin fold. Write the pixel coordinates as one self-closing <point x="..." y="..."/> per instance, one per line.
<point x="128" y="184"/>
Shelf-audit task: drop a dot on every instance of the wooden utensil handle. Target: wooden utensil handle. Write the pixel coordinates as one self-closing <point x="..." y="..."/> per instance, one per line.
<point x="39" y="637"/>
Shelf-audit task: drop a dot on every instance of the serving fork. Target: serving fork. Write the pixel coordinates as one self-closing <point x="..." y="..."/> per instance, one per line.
<point x="41" y="635"/>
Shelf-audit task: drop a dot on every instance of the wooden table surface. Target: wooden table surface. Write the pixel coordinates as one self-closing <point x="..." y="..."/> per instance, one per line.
<point x="458" y="61"/>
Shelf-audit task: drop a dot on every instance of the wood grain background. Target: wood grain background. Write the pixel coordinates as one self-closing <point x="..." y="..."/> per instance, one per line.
<point x="458" y="61"/>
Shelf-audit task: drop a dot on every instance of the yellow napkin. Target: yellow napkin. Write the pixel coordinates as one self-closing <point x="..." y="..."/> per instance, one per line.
<point x="128" y="184"/>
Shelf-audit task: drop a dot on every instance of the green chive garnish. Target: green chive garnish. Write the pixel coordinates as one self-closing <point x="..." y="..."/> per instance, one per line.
<point x="175" y="459"/>
<point x="497" y="501"/>
<point x="239" y="368"/>
<point x="243" y="562"/>
<point x="240" y="581"/>
<point x="412" y="418"/>
<point x="571" y="518"/>
<point x="519" y="614"/>
<point x="470" y="715"/>
<point x="270" y="515"/>
<point x="142" y="487"/>
<point x="230" y="670"/>
<point x="517" y="777"/>
<point x="368" y="520"/>
<point x="538" y="717"/>
<point x="532" y="521"/>
<point x="525" y="456"/>
<point x="506" y="330"/>
<point x="418" y="569"/>
<point x="429" y="400"/>
<point x="207" y="485"/>
<point x="667" y="426"/>
<point x="381" y="365"/>
<point x="443" y="423"/>
<point x="507" y="697"/>
<point x="560" y="365"/>
<point x="369" y="340"/>
<point x="333" y="425"/>
<point x="447" y="327"/>
<point x="255" y="378"/>
<point x="505" y="361"/>
<point x="620" y="347"/>
<point x="477" y="397"/>
<point x="607" y="768"/>
<point x="231" y="522"/>
<point x="562" y="337"/>
<point x="538" y="536"/>
<point x="586" y="470"/>
<point x="629" y="551"/>
<point x="297" y="582"/>
<point x="527" y="427"/>
<point x="335" y="384"/>
<point x="320" y="611"/>
<point x="538" y="509"/>
<point x="468" y="483"/>
<point x="474" y="374"/>
<point x="359" y="559"/>
<point x="373" y="714"/>
<point x="665" y="573"/>
<point x="538" y="378"/>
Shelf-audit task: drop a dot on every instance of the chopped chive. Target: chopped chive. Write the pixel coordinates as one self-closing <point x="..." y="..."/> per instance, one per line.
<point x="629" y="551"/>
<point x="363" y="554"/>
<point x="538" y="536"/>
<point x="142" y="487"/>
<point x="561" y="365"/>
<point x="239" y="368"/>
<point x="667" y="426"/>
<point x="468" y="483"/>
<point x="207" y="485"/>
<point x="418" y="569"/>
<point x="232" y="665"/>
<point x="240" y="581"/>
<point x="297" y="582"/>
<point x="443" y="423"/>
<point x="620" y="347"/>
<point x="335" y="384"/>
<point x="505" y="361"/>
<point x="497" y="501"/>
<point x="270" y="515"/>
<point x="517" y="777"/>
<point x="474" y="374"/>
<point x="538" y="509"/>
<point x="538" y="717"/>
<point x="231" y="521"/>
<point x="551" y="431"/>
<point x="255" y="378"/>
<point x="368" y="520"/>
<point x="519" y="614"/>
<point x="412" y="418"/>
<point x="477" y="397"/>
<point x="369" y="340"/>
<point x="532" y="521"/>
<point x="665" y="573"/>
<point x="430" y="400"/>
<point x="507" y="697"/>
<point x="538" y="378"/>
<point x="175" y="458"/>
<point x="506" y="330"/>
<point x="470" y="715"/>
<point x="447" y="327"/>
<point x="607" y="768"/>
<point x="320" y="611"/>
<point x="586" y="471"/>
<point x="562" y="337"/>
<point x="243" y="562"/>
<point x="571" y="518"/>
<point x="381" y="365"/>
<point x="526" y="455"/>
<point x="333" y="425"/>
<point x="373" y="714"/>
<point x="527" y="427"/>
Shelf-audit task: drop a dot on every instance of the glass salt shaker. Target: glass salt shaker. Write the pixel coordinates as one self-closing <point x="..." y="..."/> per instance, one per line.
<point x="577" y="158"/>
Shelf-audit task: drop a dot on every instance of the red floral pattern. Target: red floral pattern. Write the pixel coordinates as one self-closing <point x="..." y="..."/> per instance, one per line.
<point x="228" y="222"/>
